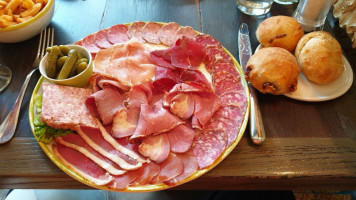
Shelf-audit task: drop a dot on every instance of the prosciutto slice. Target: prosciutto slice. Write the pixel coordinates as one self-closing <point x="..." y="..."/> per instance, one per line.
<point x="74" y="141"/>
<point x="162" y="57"/>
<point x="170" y="168"/>
<point x="187" y="53"/>
<point x="166" y="78"/>
<point x="181" y="138"/>
<point x="105" y="103"/>
<point x="155" y="147"/>
<point x="74" y="160"/>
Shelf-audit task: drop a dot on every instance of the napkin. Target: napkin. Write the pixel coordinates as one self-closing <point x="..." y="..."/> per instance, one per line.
<point x="345" y="11"/>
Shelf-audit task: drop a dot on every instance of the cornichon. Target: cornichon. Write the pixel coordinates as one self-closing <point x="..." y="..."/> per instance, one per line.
<point x="52" y="62"/>
<point x="69" y="63"/>
<point x="60" y="62"/>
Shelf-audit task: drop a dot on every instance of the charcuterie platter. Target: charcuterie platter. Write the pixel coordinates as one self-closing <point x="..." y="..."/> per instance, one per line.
<point x="165" y="105"/>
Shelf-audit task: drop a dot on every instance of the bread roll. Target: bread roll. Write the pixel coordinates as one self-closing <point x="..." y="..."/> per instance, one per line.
<point x="273" y="70"/>
<point x="320" y="57"/>
<point x="279" y="31"/>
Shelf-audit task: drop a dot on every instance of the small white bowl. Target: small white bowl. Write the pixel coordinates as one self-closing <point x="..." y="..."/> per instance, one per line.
<point x="80" y="80"/>
<point x="26" y="30"/>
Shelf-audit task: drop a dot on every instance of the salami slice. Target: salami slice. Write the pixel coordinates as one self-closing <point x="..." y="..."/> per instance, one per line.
<point x="150" y="32"/>
<point x="224" y="66"/>
<point x="186" y="31"/>
<point x="224" y="81"/>
<point x="208" y="146"/>
<point x="168" y="34"/>
<point x="117" y="34"/>
<point x="233" y="98"/>
<point x="135" y="31"/>
<point x="230" y="127"/>
<point x="101" y="39"/>
<point x="89" y="43"/>
<point x="229" y="112"/>
<point x="207" y="40"/>
<point x="216" y="55"/>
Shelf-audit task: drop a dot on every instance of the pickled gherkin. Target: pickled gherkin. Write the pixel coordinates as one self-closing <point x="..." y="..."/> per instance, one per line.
<point x="69" y="64"/>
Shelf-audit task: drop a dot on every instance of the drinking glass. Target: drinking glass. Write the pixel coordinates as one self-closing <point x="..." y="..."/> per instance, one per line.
<point x="254" y="7"/>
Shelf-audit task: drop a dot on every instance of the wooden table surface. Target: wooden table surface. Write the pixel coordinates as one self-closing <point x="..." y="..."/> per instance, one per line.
<point x="309" y="145"/>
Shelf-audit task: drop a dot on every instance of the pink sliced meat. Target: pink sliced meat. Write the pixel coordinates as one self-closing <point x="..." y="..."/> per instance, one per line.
<point x="184" y="88"/>
<point x="186" y="31"/>
<point x="155" y="147"/>
<point x="216" y="55"/>
<point x="208" y="146"/>
<point x="75" y="160"/>
<point x="207" y="40"/>
<point x="230" y="126"/>
<point x="140" y="94"/>
<point x="154" y="120"/>
<point x="205" y="107"/>
<point x="64" y="107"/>
<point x="95" y="139"/>
<point x="170" y="168"/>
<point x="79" y="42"/>
<point x="148" y="172"/>
<point x="102" y="82"/>
<point x="222" y="66"/>
<point x="165" y="78"/>
<point x="195" y="76"/>
<point x="187" y="53"/>
<point x="90" y="45"/>
<point x="150" y="32"/>
<point x="190" y="166"/>
<point x="233" y="98"/>
<point x="182" y="105"/>
<point x="181" y="138"/>
<point x="125" y="122"/>
<point x="107" y="102"/>
<point x="117" y="34"/>
<point x="75" y="142"/>
<point x="168" y="34"/>
<point x="226" y="82"/>
<point x="101" y="39"/>
<point x="229" y="112"/>
<point x="163" y="57"/>
<point x="124" y="181"/>
<point x="135" y="31"/>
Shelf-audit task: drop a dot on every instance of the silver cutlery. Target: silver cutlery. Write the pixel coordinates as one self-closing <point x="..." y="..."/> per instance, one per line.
<point x="256" y="124"/>
<point x="8" y="126"/>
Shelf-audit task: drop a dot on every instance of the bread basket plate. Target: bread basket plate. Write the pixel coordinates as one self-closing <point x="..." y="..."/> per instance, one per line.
<point x="308" y="91"/>
<point x="149" y="187"/>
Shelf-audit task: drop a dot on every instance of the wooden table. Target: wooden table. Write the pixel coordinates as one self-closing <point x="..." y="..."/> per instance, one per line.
<point x="309" y="145"/>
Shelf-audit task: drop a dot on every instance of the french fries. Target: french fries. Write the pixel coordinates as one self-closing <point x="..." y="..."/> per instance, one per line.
<point x="13" y="12"/>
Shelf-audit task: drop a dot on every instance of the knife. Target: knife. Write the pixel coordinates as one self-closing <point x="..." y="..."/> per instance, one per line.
<point x="256" y="124"/>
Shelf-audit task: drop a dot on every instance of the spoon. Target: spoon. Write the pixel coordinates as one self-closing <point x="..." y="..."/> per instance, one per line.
<point x="5" y="77"/>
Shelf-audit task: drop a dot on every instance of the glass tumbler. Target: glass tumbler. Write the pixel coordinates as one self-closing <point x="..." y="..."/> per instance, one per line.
<point x="254" y="7"/>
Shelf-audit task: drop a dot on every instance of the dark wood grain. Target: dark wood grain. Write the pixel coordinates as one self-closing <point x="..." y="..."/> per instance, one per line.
<point x="309" y="145"/>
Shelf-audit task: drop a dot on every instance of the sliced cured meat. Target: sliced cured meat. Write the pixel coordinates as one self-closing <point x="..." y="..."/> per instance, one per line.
<point x="190" y="166"/>
<point x="205" y="107"/>
<point x="183" y="88"/>
<point x="128" y="63"/>
<point x="150" y="32"/>
<point x="216" y="54"/>
<point x="181" y="138"/>
<point x="106" y="82"/>
<point x="162" y="57"/>
<point x="135" y="31"/>
<point x="74" y="160"/>
<point x="125" y="122"/>
<point x="233" y="98"/>
<point x="182" y="105"/>
<point x="140" y="94"/>
<point x="117" y="34"/>
<point x="187" y="53"/>
<point x="170" y="168"/>
<point x="95" y="139"/>
<point x="155" y="147"/>
<point x="224" y="81"/>
<point x="75" y="142"/>
<point x="195" y="76"/>
<point x="222" y="66"/>
<point x="230" y="126"/>
<point x="90" y="45"/>
<point x="107" y="102"/>
<point x="154" y="120"/>
<point x="124" y="181"/>
<point x="80" y="43"/>
<point x="64" y="107"/>
<point x="166" y="78"/>
<point x="208" y="146"/>
<point x="101" y="39"/>
<point x="229" y="112"/>
<point x="168" y="34"/>
<point x="186" y="31"/>
<point x="207" y="40"/>
<point x="148" y="172"/>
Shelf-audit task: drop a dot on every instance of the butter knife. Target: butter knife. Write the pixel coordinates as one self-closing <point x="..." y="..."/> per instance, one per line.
<point x="256" y="124"/>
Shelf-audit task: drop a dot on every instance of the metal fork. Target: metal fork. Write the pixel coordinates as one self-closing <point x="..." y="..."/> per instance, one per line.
<point x="8" y="126"/>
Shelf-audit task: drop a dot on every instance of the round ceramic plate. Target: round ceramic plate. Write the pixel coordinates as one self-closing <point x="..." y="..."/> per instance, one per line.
<point x="308" y="91"/>
<point x="146" y="188"/>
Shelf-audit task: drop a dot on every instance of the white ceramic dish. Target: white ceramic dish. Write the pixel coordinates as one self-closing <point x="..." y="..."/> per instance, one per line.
<point x="26" y="30"/>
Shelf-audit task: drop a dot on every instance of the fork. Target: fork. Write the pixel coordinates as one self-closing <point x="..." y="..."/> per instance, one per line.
<point x="8" y="126"/>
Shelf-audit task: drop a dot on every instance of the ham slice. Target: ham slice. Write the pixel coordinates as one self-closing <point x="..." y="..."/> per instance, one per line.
<point x="117" y="34"/>
<point x="75" y="142"/>
<point x="100" y="82"/>
<point x="187" y="53"/>
<point x="74" y="160"/>
<point x="101" y="39"/>
<point x="148" y="171"/>
<point x="190" y="166"/>
<point x="181" y="138"/>
<point x="208" y="146"/>
<point x="124" y="181"/>
<point x="170" y="168"/>
<point x="64" y="107"/>
<point x="95" y="139"/>
<point x="127" y="63"/>
<point x="140" y="94"/>
<point x="125" y="122"/>
<point x="107" y="102"/>
<point x="155" y="147"/>
<point x="154" y="120"/>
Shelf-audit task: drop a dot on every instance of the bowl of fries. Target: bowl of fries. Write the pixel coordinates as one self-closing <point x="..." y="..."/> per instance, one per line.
<point x="23" y="19"/>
